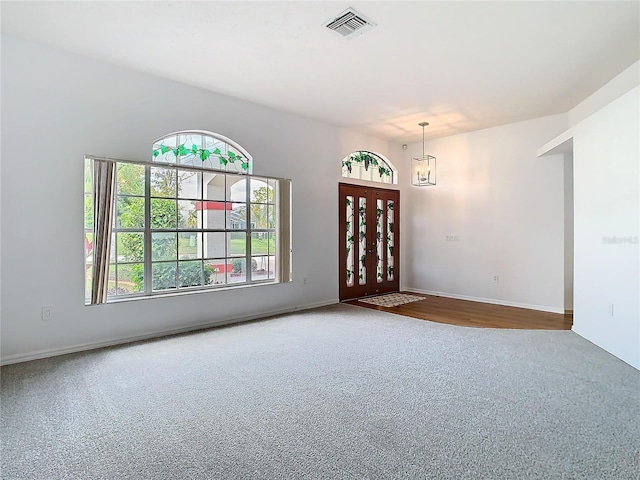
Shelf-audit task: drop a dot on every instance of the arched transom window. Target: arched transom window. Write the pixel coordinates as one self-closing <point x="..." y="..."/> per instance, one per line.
<point x="202" y="149"/>
<point x="363" y="165"/>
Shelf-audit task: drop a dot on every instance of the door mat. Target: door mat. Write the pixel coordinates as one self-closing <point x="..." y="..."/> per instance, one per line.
<point x="391" y="299"/>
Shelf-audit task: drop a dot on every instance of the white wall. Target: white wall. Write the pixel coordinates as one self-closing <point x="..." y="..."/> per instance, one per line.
<point x="507" y="207"/>
<point x="58" y="107"/>
<point x="606" y="155"/>
<point x="568" y="231"/>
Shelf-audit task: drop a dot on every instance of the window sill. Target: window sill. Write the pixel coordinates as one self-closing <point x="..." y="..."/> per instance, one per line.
<point x="198" y="291"/>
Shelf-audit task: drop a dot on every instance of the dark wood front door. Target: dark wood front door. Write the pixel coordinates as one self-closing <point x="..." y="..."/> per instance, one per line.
<point x="369" y="242"/>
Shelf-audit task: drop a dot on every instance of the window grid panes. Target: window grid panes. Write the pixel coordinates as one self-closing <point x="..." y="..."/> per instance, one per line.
<point x="126" y="272"/>
<point x="178" y="229"/>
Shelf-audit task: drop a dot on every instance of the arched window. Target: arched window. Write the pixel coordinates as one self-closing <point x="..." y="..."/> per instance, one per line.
<point x="202" y="149"/>
<point x="193" y="217"/>
<point x="363" y="165"/>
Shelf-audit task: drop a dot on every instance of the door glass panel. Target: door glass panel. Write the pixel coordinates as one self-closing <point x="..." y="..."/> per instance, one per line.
<point x="379" y="240"/>
<point x="350" y="240"/>
<point x="362" y="241"/>
<point x="390" y="240"/>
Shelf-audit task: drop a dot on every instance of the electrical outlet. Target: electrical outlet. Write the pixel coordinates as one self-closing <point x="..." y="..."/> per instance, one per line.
<point x="496" y="279"/>
<point x="305" y="280"/>
<point x="47" y="313"/>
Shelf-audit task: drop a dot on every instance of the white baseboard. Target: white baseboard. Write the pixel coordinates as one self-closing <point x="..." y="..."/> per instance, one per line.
<point x="492" y="301"/>
<point x="81" y="347"/>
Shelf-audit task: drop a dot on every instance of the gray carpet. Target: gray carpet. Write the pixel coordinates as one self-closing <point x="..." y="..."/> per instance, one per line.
<point x="338" y="392"/>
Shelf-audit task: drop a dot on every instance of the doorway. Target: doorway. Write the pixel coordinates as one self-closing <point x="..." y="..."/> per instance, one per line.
<point x="369" y="241"/>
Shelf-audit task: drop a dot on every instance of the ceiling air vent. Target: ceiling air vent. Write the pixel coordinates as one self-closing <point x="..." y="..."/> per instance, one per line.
<point x="349" y="23"/>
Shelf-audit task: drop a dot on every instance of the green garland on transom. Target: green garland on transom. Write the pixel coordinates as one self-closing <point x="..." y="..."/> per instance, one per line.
<point x="367" y="160"/>
<point x="204" y="154"/>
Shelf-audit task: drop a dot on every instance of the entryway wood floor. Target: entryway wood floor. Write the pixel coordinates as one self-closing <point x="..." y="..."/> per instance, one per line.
<point x="475" y="314"/>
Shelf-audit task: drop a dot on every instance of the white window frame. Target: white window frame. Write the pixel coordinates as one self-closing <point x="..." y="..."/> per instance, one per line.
<point x="282" y="230"/>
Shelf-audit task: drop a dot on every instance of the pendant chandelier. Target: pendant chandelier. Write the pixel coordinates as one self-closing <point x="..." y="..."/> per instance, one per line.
<point x="423" y="169"/>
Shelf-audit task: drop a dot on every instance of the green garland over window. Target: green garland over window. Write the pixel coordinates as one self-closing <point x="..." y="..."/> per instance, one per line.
<point x="204" y="154"/>
<point x="367" y="159"/>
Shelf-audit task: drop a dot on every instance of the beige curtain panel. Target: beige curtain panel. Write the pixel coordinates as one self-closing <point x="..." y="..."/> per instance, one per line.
<point x="104" y="183"/>
<point x="283" y="238"/>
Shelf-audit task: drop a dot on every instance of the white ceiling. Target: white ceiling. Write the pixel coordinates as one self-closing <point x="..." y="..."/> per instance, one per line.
<point x="461" y="66"/>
